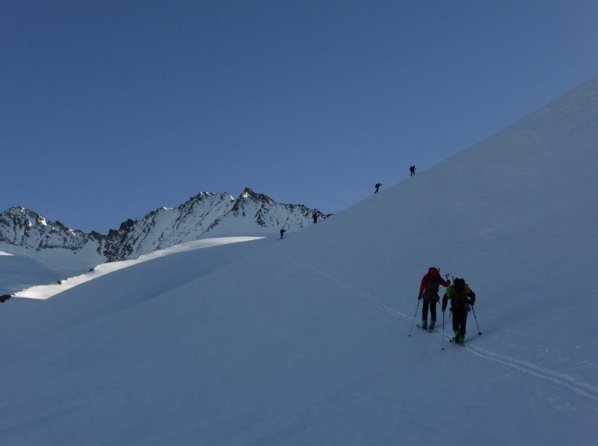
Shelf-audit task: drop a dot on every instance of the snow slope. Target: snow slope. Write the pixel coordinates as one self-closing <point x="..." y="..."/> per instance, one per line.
<point x="62" y="285"/>
<point x="304" y="341"/>
<point x="21" y="271"/>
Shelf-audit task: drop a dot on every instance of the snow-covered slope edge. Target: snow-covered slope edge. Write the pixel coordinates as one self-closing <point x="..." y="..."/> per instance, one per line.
<point x="19" y="271"/>
<point x="62" y="285"/>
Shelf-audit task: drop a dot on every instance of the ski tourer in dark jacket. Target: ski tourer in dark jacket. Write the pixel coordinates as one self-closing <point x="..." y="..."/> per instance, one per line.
<point x="428" y="290"/>
<point x="461" y="297"/>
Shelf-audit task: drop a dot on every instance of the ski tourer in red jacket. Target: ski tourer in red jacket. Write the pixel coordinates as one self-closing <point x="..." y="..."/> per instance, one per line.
<point x="428" y="290"/>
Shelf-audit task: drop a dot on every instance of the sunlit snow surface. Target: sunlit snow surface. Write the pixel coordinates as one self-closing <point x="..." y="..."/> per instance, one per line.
<point x="47" y="291"/>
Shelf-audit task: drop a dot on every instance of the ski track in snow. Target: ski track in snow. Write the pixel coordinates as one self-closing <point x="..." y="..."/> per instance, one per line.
<point x="560" y="379"/>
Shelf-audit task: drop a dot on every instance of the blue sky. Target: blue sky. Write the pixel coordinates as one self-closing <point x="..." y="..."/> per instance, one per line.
<point x="111" y="109"/>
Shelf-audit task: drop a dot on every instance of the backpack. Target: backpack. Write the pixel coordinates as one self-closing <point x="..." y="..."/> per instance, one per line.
<point x="458" y="294"/>
<point x="432" y="284"/>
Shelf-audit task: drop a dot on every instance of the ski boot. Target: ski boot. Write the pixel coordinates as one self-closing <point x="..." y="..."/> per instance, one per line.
<point x="431" y="327"/>
<point x="425" y="325"/>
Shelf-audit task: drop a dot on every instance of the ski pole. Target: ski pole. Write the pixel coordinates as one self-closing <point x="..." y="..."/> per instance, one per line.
<point x="476" y="320"/>
<point x="414" y="316"/>
<point x="442" y="331"/>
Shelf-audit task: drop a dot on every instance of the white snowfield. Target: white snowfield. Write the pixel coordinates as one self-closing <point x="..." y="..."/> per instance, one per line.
<point x="304" y="341"/>
<point x="47" y="291"/>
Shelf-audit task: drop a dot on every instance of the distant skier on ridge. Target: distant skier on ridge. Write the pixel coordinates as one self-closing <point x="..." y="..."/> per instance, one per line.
<point x="411" y="170"/>
<point x="377" y="186"/>
<point x="428" y="290"/>
<point x="314" y="215"/>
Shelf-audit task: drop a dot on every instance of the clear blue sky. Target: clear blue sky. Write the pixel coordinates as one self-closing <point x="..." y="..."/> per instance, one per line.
<point x="110" y="109"/>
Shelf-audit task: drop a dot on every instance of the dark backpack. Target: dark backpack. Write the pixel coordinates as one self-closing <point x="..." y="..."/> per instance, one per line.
<point x="460" y="290"/>
<point x="432" y="284"/>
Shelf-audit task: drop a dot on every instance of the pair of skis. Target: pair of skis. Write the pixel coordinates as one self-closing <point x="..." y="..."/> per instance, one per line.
<point x="461" y="344"/>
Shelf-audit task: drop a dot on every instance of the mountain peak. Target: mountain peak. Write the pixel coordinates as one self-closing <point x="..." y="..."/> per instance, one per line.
<point x="206" y="214"/>
<point x="248" y="193"/>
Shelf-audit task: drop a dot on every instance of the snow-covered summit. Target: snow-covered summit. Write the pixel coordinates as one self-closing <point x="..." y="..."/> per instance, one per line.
<point x="207" y="215"/>
<point x="23" y="227"/>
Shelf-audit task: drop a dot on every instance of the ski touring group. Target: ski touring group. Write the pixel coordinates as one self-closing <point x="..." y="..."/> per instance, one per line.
<point x="377" y="186"/>
<point x="458" y="293"/>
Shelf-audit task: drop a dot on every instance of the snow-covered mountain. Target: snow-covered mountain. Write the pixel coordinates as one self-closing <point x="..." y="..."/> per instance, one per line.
<point x="26" y="233"/>
<point x="23" y="231"/>
<point x="26" y="228"/>
<point x="207" y="215"/>
<point x="305" y="341"/>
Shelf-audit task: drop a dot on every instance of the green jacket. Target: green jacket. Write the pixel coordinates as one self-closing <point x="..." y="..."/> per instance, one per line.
<point x="459" y="300"/>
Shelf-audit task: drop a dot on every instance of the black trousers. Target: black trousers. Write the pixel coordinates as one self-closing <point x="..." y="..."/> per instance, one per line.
<point x="459" y="320"/>
<point x="430" y="301"/>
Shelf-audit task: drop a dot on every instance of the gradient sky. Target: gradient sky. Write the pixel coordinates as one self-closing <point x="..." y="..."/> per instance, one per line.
<point x="110" y="109"/>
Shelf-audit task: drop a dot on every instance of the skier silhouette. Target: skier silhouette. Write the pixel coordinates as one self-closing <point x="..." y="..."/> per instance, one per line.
<point x="462" y="297"/>
<point x="412" y="170"/>
<point x="428" y="291"/>
<point x="377" y="186"/>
